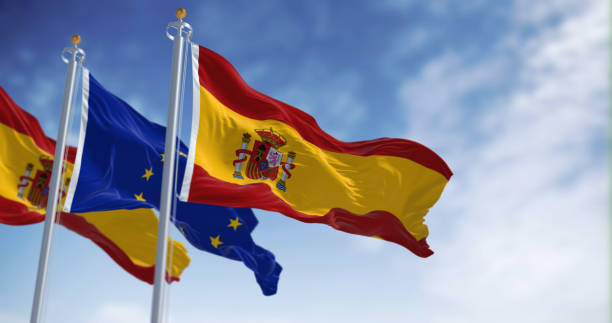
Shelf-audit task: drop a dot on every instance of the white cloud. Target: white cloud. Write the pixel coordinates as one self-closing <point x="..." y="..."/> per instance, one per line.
<point x="435" y="7"/>
<point x="118" y="313"/>
<point x="268" y="31"/>
<point x="46" y="91"/>
<point x="402" y="46"/>
<point x="529" y="203"/>
<point x="333" y="98"/>
<point x="7" y="316"/>
<point x="537" y="12"/>
<point x="212" y="315"/>
<point x="368" y="244"/>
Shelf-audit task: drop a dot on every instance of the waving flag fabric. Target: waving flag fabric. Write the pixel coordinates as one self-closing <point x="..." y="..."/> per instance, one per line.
<point x="26" y="160"/>
<point x="119" y="166"/>
<point x="250" y="150"/>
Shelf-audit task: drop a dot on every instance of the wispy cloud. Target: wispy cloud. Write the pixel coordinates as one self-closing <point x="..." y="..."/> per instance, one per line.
<point x="402" y="47"/>
<point x="529" y="200"/>
<point x="335" y="98"/>
<point x="530" y="12"/>
<point x="436" y="102"/>
<point x="435" y="7"/>
<point x="267" y="27"/>
<point x="7" y="316"/>
<point x="119" y="313"/>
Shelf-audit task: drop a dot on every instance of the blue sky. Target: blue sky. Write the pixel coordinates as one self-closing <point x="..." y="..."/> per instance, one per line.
<point x="513" y="95"/>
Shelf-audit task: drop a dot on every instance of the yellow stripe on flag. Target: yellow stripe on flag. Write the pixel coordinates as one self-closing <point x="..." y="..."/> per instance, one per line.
<point x="321" y="179"/>
<point x="17" y="151"/>
<point x="135" y="232"/>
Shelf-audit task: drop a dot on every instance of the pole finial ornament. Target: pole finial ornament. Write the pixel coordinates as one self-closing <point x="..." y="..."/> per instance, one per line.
<point x="181" y="13"/>
<point x="76" y="39"/>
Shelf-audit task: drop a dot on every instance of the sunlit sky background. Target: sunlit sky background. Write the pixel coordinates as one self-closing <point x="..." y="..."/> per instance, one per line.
<point x="513" y="95"/>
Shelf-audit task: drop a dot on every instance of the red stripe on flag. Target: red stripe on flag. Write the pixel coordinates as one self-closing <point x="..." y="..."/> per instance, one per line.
<point x="14" y="213"/>
<point x="79" y="225"/>
<point x="258" y="195"/>
<point x="23" y="122"/>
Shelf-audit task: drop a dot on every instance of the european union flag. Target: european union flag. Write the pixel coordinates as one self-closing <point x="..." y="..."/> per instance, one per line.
<point x="119" y="165"/>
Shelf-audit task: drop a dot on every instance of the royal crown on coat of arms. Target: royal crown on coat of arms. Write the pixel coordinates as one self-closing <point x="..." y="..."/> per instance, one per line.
<point x="265" y="158"/>
<point x="39" y="190"/>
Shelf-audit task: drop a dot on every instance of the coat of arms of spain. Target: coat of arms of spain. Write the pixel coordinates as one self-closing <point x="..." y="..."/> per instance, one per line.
<point x="265" y="158"/>
<point x="39" y="188"/>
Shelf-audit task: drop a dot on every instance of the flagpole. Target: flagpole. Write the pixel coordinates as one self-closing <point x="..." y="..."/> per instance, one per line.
<point x="77" y="56"/>
<point x="167" y="190"/>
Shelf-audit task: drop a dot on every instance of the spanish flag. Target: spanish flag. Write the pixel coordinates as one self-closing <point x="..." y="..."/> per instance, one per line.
<point x="129" y="237"/>
<point x="251" y="150"/>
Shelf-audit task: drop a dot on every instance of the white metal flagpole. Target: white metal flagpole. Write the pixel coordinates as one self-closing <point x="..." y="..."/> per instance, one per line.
<point x="167" y="190"/>
<point x="77" y="56"/>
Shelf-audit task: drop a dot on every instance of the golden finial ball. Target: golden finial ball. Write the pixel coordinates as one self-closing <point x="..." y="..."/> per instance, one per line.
<point x="181" y="13"/>
<point x="76" y="39"/>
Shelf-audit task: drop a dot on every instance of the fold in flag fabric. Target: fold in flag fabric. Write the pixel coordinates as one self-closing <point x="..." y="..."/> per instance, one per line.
<point x="251" y="150"/>
<point x="129" y="237"/>
<point x="120" y="165"/>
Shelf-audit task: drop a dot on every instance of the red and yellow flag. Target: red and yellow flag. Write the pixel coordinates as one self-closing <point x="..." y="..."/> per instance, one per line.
<point x="129" y="237"/>
<point x="251" y="150"/>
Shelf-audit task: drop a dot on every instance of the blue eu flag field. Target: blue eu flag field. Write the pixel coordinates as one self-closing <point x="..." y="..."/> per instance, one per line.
<point x="119" y="166"/>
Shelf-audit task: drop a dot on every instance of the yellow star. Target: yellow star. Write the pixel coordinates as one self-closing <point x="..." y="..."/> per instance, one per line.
<point x="148" y="173"/>
<point x="163" y="157"/>
<point x="235" y="223"/>
<point x="139" y="197"/>
<point x="182" y="154"/>
<point x="215" y="241"/>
